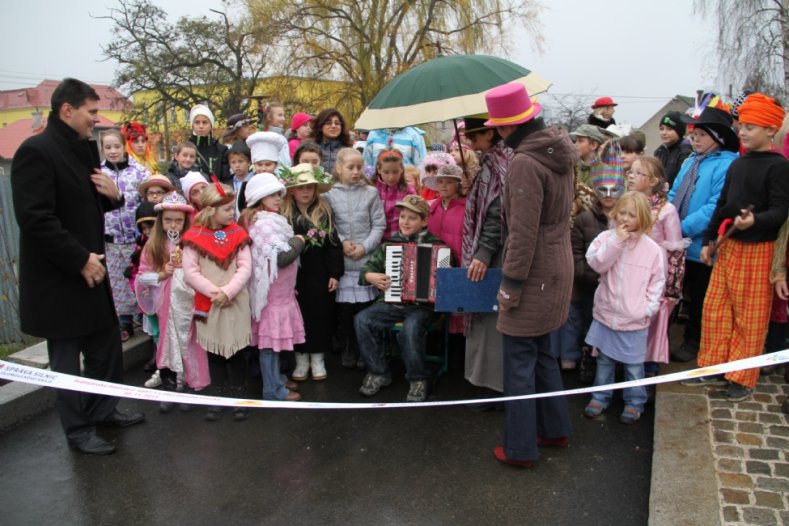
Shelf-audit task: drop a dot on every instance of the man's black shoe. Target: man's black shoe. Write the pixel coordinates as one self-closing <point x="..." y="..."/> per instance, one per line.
<point x="94" y="446"/>
<point x="118" y="419"/>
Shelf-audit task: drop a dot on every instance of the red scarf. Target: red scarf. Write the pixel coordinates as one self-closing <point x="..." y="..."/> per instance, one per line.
<point x="221" y="246"/>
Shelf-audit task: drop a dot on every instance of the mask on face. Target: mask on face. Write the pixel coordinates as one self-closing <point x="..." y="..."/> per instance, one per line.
<point x="609" y="190"/>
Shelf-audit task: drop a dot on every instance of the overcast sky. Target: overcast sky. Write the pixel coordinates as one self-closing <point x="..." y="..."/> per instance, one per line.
<point x="640" y="52"/>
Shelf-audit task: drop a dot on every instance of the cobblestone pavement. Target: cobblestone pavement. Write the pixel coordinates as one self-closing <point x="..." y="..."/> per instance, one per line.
<point x="750" y="443"/>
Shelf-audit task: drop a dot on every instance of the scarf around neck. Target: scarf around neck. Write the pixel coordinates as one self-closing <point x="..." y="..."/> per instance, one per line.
<point x="270" y="234"/>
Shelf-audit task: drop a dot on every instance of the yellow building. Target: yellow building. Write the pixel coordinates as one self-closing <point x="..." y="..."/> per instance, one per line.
<point x="35" y="103"/>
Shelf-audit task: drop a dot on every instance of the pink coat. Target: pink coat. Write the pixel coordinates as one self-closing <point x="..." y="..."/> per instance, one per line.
<point x="390" y="195"/>
<point x="447" y="224"/>
<point x="632" y="277"/>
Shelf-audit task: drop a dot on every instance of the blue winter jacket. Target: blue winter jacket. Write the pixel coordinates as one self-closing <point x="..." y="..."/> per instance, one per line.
<point x="712" y="174"/>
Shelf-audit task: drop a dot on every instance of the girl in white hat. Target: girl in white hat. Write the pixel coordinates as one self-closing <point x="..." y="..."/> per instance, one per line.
<point x="277" y="324"/>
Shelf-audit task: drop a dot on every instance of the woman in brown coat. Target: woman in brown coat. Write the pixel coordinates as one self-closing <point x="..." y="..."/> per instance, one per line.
<point x="534" y="296"/>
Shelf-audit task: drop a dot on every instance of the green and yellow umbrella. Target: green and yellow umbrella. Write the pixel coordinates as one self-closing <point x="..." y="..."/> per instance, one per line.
<point x="447" y="87"/>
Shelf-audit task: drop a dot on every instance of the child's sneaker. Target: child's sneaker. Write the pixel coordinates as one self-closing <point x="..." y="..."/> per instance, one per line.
<point x="154" y="381"/>
<point x="736" y="392"/>
<point x="373" y="383"/>
<point x="417" y="392"/>
<point x="700" y="381"/>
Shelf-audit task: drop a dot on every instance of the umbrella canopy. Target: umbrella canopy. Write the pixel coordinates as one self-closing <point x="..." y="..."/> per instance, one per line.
<point x="447" y="87"/>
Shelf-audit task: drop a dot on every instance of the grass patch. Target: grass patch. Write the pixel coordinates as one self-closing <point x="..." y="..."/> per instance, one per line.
<point x="7" y="349"/>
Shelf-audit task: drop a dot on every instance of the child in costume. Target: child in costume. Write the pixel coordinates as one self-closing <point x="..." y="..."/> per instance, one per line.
<point x="433" y="161"/>
<point x="321" y="265"/>
<point x="447" y="213"/>
<point x="623" y="308"/>
<point x="646" y="176"/>
<point x="277" y="324"/>
<point x="608" y="183"/>
<point x="119" y="227"/>
<point x="391" y="186"/>
<point x="360" y="221"/>
<point x="217" y="265"/>
<point x="373" y="321"/>
<point x="269" y="151"/>
<point x="695" y="194"/>
<point x="602" y="114"/>
<point x="161" y="290"/>
<point x="138" y="146"/>
<point x="754" y="201"/>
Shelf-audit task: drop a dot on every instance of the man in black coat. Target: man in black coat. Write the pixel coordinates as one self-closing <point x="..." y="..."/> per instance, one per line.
<point x="60" y="197"/>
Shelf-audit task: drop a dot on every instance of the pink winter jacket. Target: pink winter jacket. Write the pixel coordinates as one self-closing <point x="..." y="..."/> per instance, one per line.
<point x="447" y="225"/>
<point x="390" y="195"/>
<point x="632" y="277"/>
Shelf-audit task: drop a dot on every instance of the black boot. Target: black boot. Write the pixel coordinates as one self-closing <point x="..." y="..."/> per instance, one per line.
<point x="687" y="352"/>
<point x="350" y="355"/>
<point x="588" y="366"/>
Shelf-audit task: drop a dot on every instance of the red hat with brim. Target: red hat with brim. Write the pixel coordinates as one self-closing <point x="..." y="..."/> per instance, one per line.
<point x="603" y="102"/>
<point x="510" y="105"/>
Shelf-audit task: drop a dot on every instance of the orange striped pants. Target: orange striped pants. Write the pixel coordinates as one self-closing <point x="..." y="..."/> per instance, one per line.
<point x="737" y="307"/>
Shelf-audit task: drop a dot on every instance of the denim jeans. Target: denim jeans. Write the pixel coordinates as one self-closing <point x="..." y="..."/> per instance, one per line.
<point x="634" y="396"/>
<point x="530" y="366"/>
<point x="273" y="380"/>
<point x="371" y="325"/>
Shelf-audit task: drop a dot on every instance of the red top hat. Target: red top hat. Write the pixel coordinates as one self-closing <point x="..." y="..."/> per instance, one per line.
<point x="509" y="105"/>
<point x="603" y="101"/>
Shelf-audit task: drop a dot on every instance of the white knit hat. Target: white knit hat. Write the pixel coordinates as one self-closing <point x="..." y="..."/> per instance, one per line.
<point x="189" y="180"/>
<point x="267" y="146"/>
<point x="200" y="109"/>
<point x="262" y="185"/>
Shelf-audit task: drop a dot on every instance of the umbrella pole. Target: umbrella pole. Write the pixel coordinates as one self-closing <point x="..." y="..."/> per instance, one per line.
<point x="460" y="147"/>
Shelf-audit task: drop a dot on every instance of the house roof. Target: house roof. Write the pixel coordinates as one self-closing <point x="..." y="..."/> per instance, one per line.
<point x="13" y="135"/>
<point x="110" y="99"/>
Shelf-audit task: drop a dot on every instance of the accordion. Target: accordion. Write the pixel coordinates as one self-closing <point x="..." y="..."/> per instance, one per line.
<point x="412" y="268"/>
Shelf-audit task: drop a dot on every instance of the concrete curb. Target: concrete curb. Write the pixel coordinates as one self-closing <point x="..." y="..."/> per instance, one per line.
<point x="20" y="401"/>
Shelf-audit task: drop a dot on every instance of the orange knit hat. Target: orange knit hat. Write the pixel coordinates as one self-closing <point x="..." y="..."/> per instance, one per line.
<point x="761" y="110"/>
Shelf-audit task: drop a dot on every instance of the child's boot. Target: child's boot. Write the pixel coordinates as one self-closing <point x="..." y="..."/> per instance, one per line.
<point x="317" y="366"/>
<point x="350" y="355"/>
<point x="302" y="367"/>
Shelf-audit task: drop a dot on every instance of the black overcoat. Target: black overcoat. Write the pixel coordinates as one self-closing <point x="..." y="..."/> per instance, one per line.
<point x="61" y="221"/>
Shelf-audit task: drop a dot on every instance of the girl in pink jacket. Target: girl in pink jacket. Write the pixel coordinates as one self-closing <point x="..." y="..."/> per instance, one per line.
<point x="390" y="182"/>
<point x="447" y="213"/>
<point x="632" y="277"/>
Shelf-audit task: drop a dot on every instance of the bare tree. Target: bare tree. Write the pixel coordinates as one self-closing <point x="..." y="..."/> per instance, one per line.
<point x="568" y="111"/>
<point x="369" y="42"/>
<point x="194" y="60"/>
<point x="752" y="42"/>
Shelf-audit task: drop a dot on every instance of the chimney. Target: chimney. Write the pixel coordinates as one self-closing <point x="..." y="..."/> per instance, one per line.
<point x="38" y="119"/>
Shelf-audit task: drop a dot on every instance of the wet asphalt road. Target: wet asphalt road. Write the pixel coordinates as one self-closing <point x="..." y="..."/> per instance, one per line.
<point x="405" y="466"/>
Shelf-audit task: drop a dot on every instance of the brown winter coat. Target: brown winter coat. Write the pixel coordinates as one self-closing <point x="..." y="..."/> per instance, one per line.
<point x="538" y="261"/>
